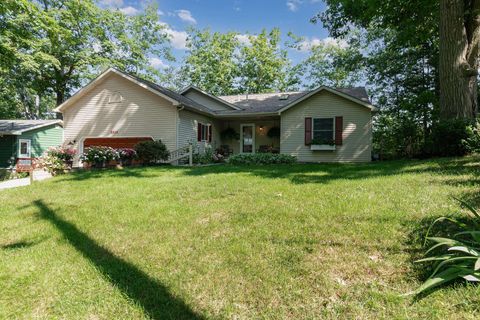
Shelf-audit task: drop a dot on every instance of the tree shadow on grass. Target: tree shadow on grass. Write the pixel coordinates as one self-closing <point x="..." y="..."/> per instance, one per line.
<point x="84" y="174"/>
<point x="326" y="173"/>
<point x="152" y="296"/>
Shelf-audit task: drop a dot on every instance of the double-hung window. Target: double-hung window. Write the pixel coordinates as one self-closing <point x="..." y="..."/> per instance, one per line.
<point x="323" y="130"/>
<point x="24" y="147"/>
<point x="204" y="132"/>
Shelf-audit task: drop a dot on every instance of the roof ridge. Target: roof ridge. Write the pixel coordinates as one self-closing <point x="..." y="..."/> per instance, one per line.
<point x="258" y="94"/>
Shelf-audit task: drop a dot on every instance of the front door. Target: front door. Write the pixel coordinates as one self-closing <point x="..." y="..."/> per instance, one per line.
<point x="247" y="141"/>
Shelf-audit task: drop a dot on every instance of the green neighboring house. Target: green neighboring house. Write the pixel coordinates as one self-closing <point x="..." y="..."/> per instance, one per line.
<point x="27" y="139"/>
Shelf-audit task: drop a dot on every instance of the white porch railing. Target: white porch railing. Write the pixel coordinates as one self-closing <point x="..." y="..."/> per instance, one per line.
<point x="181" y="153"/>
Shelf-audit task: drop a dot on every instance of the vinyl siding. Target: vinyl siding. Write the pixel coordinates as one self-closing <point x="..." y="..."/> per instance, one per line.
<point x="357" y="129"/>
<point x="206" y="100"/>
<point x="261" y="137"/>
<point x="7" y="150"/>
<point x="141" y="114"/>
<point x="43" y="138"/>
<point x="188" y="127"/>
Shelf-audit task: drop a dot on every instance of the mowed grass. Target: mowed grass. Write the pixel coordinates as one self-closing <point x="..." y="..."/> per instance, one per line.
<point x="274" y="242"/>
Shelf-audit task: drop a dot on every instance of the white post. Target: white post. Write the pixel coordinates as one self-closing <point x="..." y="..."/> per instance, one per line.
<point x="190" y="155"/>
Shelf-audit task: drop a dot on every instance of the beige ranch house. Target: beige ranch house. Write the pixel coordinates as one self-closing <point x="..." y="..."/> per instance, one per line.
<point x="323" y="125"/>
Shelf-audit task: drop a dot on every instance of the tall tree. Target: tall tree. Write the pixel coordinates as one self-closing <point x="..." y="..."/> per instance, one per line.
<point x="400" y="47"/>
<point x="211" y="62"/>
<point x="459" y="44"/>
<point x="264" y="65"/>
<point x="330" y="63"/>
<point x="52" y="47"/>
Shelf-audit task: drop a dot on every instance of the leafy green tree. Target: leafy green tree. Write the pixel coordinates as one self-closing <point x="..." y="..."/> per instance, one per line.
<point x="211" y="63"/>
<point x="52" y="47"/>
<point x="330" y="63"/>
<point x="264" y="65"/>
<point x="400" y="55"/>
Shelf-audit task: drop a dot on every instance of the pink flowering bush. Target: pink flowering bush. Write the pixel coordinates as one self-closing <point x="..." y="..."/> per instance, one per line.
<point x="57" y="159"/>
<point x="126" y="154"/>
<point x="99" y="155"/>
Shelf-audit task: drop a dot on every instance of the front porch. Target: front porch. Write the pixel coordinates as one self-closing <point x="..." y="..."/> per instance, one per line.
<point x="249" y="135"/>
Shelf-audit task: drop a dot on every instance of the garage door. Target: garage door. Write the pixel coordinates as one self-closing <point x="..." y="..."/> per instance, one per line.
<point x="116" y="143"/>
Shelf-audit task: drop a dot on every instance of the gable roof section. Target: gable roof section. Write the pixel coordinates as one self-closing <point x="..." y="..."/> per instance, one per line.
<point x="253" y="104"/>
<point x="357" y="95"/>
<point x="219" y="99"/>
<point x="264" y="102"/>
<point x="275" y="103"/>
<point x="172" y="96"/>
<point x="17" y="127"/>
<point x="185" y="101"/>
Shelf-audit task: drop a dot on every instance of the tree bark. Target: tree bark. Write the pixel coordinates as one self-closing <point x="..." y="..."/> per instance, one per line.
<point x="458" y="67"/>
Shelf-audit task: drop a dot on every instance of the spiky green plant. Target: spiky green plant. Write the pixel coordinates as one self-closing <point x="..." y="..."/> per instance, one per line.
<point x="455" y="257"/>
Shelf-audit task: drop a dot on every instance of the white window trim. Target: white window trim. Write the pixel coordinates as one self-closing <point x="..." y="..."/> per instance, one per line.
<point x="333" y="132"/>
<point x="253" y="136"/>
<point x="207" y="125"/>
<point x="29" y="148"/>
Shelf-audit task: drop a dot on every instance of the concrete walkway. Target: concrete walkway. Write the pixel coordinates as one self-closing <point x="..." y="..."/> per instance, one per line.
<point x="14" y="183"/>
<point x="38" y="175"/>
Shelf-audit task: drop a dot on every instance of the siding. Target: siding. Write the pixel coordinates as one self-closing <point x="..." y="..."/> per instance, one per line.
<point x="43" y="138"/>
<point x="7" y="150"/>
<point x="261" y="137"/>
<point x="357" y="129"/>
<point x="206" y="100"/>
<point x="188" y="127"/>
<point x="141" y="113"/>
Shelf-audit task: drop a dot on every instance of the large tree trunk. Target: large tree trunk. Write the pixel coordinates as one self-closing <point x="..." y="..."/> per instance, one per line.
<point x="458" y="67"/>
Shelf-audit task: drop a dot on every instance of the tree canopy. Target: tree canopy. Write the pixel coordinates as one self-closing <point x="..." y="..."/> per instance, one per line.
<point x="49" y="48"/>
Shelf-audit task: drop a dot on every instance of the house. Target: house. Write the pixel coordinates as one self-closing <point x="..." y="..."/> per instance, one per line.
<point x="27" y="139"/>
<point x="322" y="125"/>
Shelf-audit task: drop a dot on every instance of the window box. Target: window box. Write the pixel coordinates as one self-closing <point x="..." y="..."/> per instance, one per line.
<point x="322" y="147"/>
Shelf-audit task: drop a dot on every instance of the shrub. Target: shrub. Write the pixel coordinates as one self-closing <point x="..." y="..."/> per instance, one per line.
<point x="261" y="158"/>
<point x="126" y="154"/>
<point x="99" y="155"/>
<point x="449" y="138"/>
<point x="151" y="151"/>
<point x="457" y="256"/>
<point x="57" y="159"/>
<point x="472" y="142"/>
<point x="208" y="156"/>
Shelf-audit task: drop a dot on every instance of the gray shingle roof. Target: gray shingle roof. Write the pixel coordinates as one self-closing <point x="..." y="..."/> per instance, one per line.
<point x="265" y="102"/>
<point x="272" y="102"/>
<point x="19" y="126"/>
<point x="256" y="103"/>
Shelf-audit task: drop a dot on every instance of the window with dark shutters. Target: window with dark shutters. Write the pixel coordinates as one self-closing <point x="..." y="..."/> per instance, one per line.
<point x="338" y="131"/>
<point x="204" y="132"/>
<point x="308" y="131"/>
<point x="199" y="132"/>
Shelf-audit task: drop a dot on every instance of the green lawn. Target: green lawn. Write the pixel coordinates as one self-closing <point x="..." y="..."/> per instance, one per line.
<point x="299" y="242"/>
